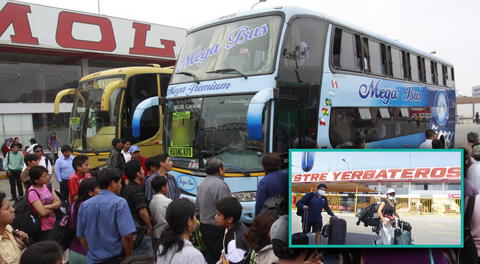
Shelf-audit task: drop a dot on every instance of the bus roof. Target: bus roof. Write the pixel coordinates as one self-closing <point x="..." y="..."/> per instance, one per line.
<point x="128" y="71"/>
<point x="290" y="11"/>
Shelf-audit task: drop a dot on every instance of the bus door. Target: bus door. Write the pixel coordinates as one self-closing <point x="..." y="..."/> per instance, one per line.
<point x="139" y="88"/>
<point x="290" y="129"/>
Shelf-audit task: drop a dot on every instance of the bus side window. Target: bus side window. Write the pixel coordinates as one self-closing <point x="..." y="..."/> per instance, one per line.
<point x="397" y="63"/>
<point x="407" y="74"/>
<point x="377" y="60"/>
<point x="414" y="66"/>
<point x="441" y="77"/>
<point x="428" y="71"/>
<point x="434" y="72"/>
<point x="366" y="55"/>
<point x="347" y="53"/>
<point x="337" y="47"/>
<point x="164" y="81"/>
<point x="386" y="67"/>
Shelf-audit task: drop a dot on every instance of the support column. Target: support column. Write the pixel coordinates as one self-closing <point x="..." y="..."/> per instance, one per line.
<point x="84" y="66"/>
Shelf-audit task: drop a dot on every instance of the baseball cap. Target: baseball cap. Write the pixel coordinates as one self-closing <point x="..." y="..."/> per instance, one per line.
<point x="279" y="229"/>
<point x="391" y="190"/>
<point x="134" y="148"/>
<point x="476" y="150"/>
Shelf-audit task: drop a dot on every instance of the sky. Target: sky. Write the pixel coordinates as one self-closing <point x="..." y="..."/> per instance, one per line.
<point x="352" y="160"/>
<point x="447" y="27"/>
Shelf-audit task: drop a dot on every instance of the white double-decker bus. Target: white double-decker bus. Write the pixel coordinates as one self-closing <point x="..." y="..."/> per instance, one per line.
<point x="273" y="79"/>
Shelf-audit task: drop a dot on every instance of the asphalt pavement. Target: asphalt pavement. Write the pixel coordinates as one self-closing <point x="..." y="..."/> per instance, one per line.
<point x="426" y="229"/>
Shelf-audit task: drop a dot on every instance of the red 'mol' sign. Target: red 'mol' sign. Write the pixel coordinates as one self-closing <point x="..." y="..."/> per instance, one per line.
<point x="377" y="175"/>
<point x="37" y="26"/>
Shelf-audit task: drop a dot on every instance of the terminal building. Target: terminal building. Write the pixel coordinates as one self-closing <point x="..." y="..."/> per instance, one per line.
<point x="476" y="91"/>
<point x="44" y="50"/>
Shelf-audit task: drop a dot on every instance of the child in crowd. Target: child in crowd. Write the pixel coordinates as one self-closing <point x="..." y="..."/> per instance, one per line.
<point x="175" y="246"/>
<point x="30" y="160"/>
<point x="228" y="215"/>
<point x="258" y="238"/>
<point x="158" y="209"/>
<point x="151" y="165"/>
<point x="134" y="193"/>
<point x="87" y="189"/>
<point x="46" y="252"/>
<point x="80" y="165"/>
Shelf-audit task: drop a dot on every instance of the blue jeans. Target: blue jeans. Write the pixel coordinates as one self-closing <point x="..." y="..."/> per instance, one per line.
<point x="145" y="247"/>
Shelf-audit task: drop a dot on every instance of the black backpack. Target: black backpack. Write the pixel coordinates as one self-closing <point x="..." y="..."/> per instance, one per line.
<point x="25" y="220"/>
<point x="309" y="198"/>
<point x="369" y="215"/>
<point x="62" y="232"/>
<point x="274" y="204"/>
<point x="468" y="254"/>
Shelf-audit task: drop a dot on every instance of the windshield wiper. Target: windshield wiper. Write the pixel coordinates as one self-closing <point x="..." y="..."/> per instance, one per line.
<point x="235" y="167"/>
<point x="195" y="78"/>
<point x="229" y="70"/>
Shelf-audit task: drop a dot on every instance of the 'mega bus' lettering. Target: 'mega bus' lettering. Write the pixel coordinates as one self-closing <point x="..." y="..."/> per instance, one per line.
<point x="198" y="57"/>
<point x="244" y="34"/>
<point x="239" y="36"/>
<point x="409" y="94"/>
<point x="380" y="93"/>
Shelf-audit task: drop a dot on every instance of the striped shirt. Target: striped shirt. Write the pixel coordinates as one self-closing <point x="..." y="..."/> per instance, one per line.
<point x="173" y="191"/>
<point x="158" y="208"/>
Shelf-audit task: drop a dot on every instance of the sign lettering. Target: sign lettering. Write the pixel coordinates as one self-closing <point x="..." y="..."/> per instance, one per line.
<point x="180" y="152"/>
<point x="407" y="174"/>
<point x="373" y="91"/>
<point x="58" y="27"/>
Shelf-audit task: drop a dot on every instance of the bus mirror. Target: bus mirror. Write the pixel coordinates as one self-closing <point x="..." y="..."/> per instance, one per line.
<point x="58" y="99"/>
<point x="140" y="109"/>
<point x="255" y="113"/>
<point x="107" y="93"/>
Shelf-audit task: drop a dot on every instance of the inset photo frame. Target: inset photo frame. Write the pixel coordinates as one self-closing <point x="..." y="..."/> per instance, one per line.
<point x="366" y="198"/>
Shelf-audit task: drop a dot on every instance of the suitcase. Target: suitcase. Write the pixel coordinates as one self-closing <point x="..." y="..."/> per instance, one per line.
<point x="402" y="236"/>
<point x="301" y="238"/>
<point x="338" y="231"/>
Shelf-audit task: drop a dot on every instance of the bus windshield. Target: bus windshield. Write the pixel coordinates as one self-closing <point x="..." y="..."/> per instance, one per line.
<point x="90" y="128"/>
<point x="198" y="129"/>
<point x="239" y="48"/>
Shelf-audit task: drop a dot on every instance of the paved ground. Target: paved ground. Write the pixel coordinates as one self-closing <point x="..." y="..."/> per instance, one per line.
<point x="426" y="230"/>
<point x="5" y="185"/>
<point x="461" y="132"/>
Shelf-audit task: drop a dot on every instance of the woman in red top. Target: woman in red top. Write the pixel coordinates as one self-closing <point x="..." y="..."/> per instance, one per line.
<point x="6" y="147"/>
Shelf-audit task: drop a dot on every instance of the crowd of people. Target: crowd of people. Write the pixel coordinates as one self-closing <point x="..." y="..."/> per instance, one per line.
<point x="133" y="211"/>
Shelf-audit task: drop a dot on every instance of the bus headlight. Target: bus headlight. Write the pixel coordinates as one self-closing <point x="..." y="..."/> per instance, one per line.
<point x="245" y="196"/>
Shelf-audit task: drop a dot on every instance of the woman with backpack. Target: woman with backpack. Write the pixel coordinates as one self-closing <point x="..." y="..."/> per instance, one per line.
<point x="87" y="189"/>
<point x="11" y="243"/>
<point x="175" y="246"/>
<point x="258" y="238"/>
<point x="43" y="200"/>
<point x="386" y="211"/>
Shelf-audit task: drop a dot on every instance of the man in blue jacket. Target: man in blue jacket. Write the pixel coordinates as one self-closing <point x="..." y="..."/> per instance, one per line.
<point x="313" y="203"/>
<point x="274" y="183"/>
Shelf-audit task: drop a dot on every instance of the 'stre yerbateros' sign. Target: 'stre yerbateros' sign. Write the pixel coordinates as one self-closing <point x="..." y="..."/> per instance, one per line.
<point x="409" y="174"/>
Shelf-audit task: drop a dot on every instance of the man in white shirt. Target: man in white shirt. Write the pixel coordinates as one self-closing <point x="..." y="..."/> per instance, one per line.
<point x="38" y="150"/>
<point x="126" y="150"/>
<point x="430" y="134"/>
<point x="473" y="172"/>
<point x="33" y="143"/>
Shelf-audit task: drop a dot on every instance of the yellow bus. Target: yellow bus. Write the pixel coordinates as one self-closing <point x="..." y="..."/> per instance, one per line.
<point x="103" y="109"/>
